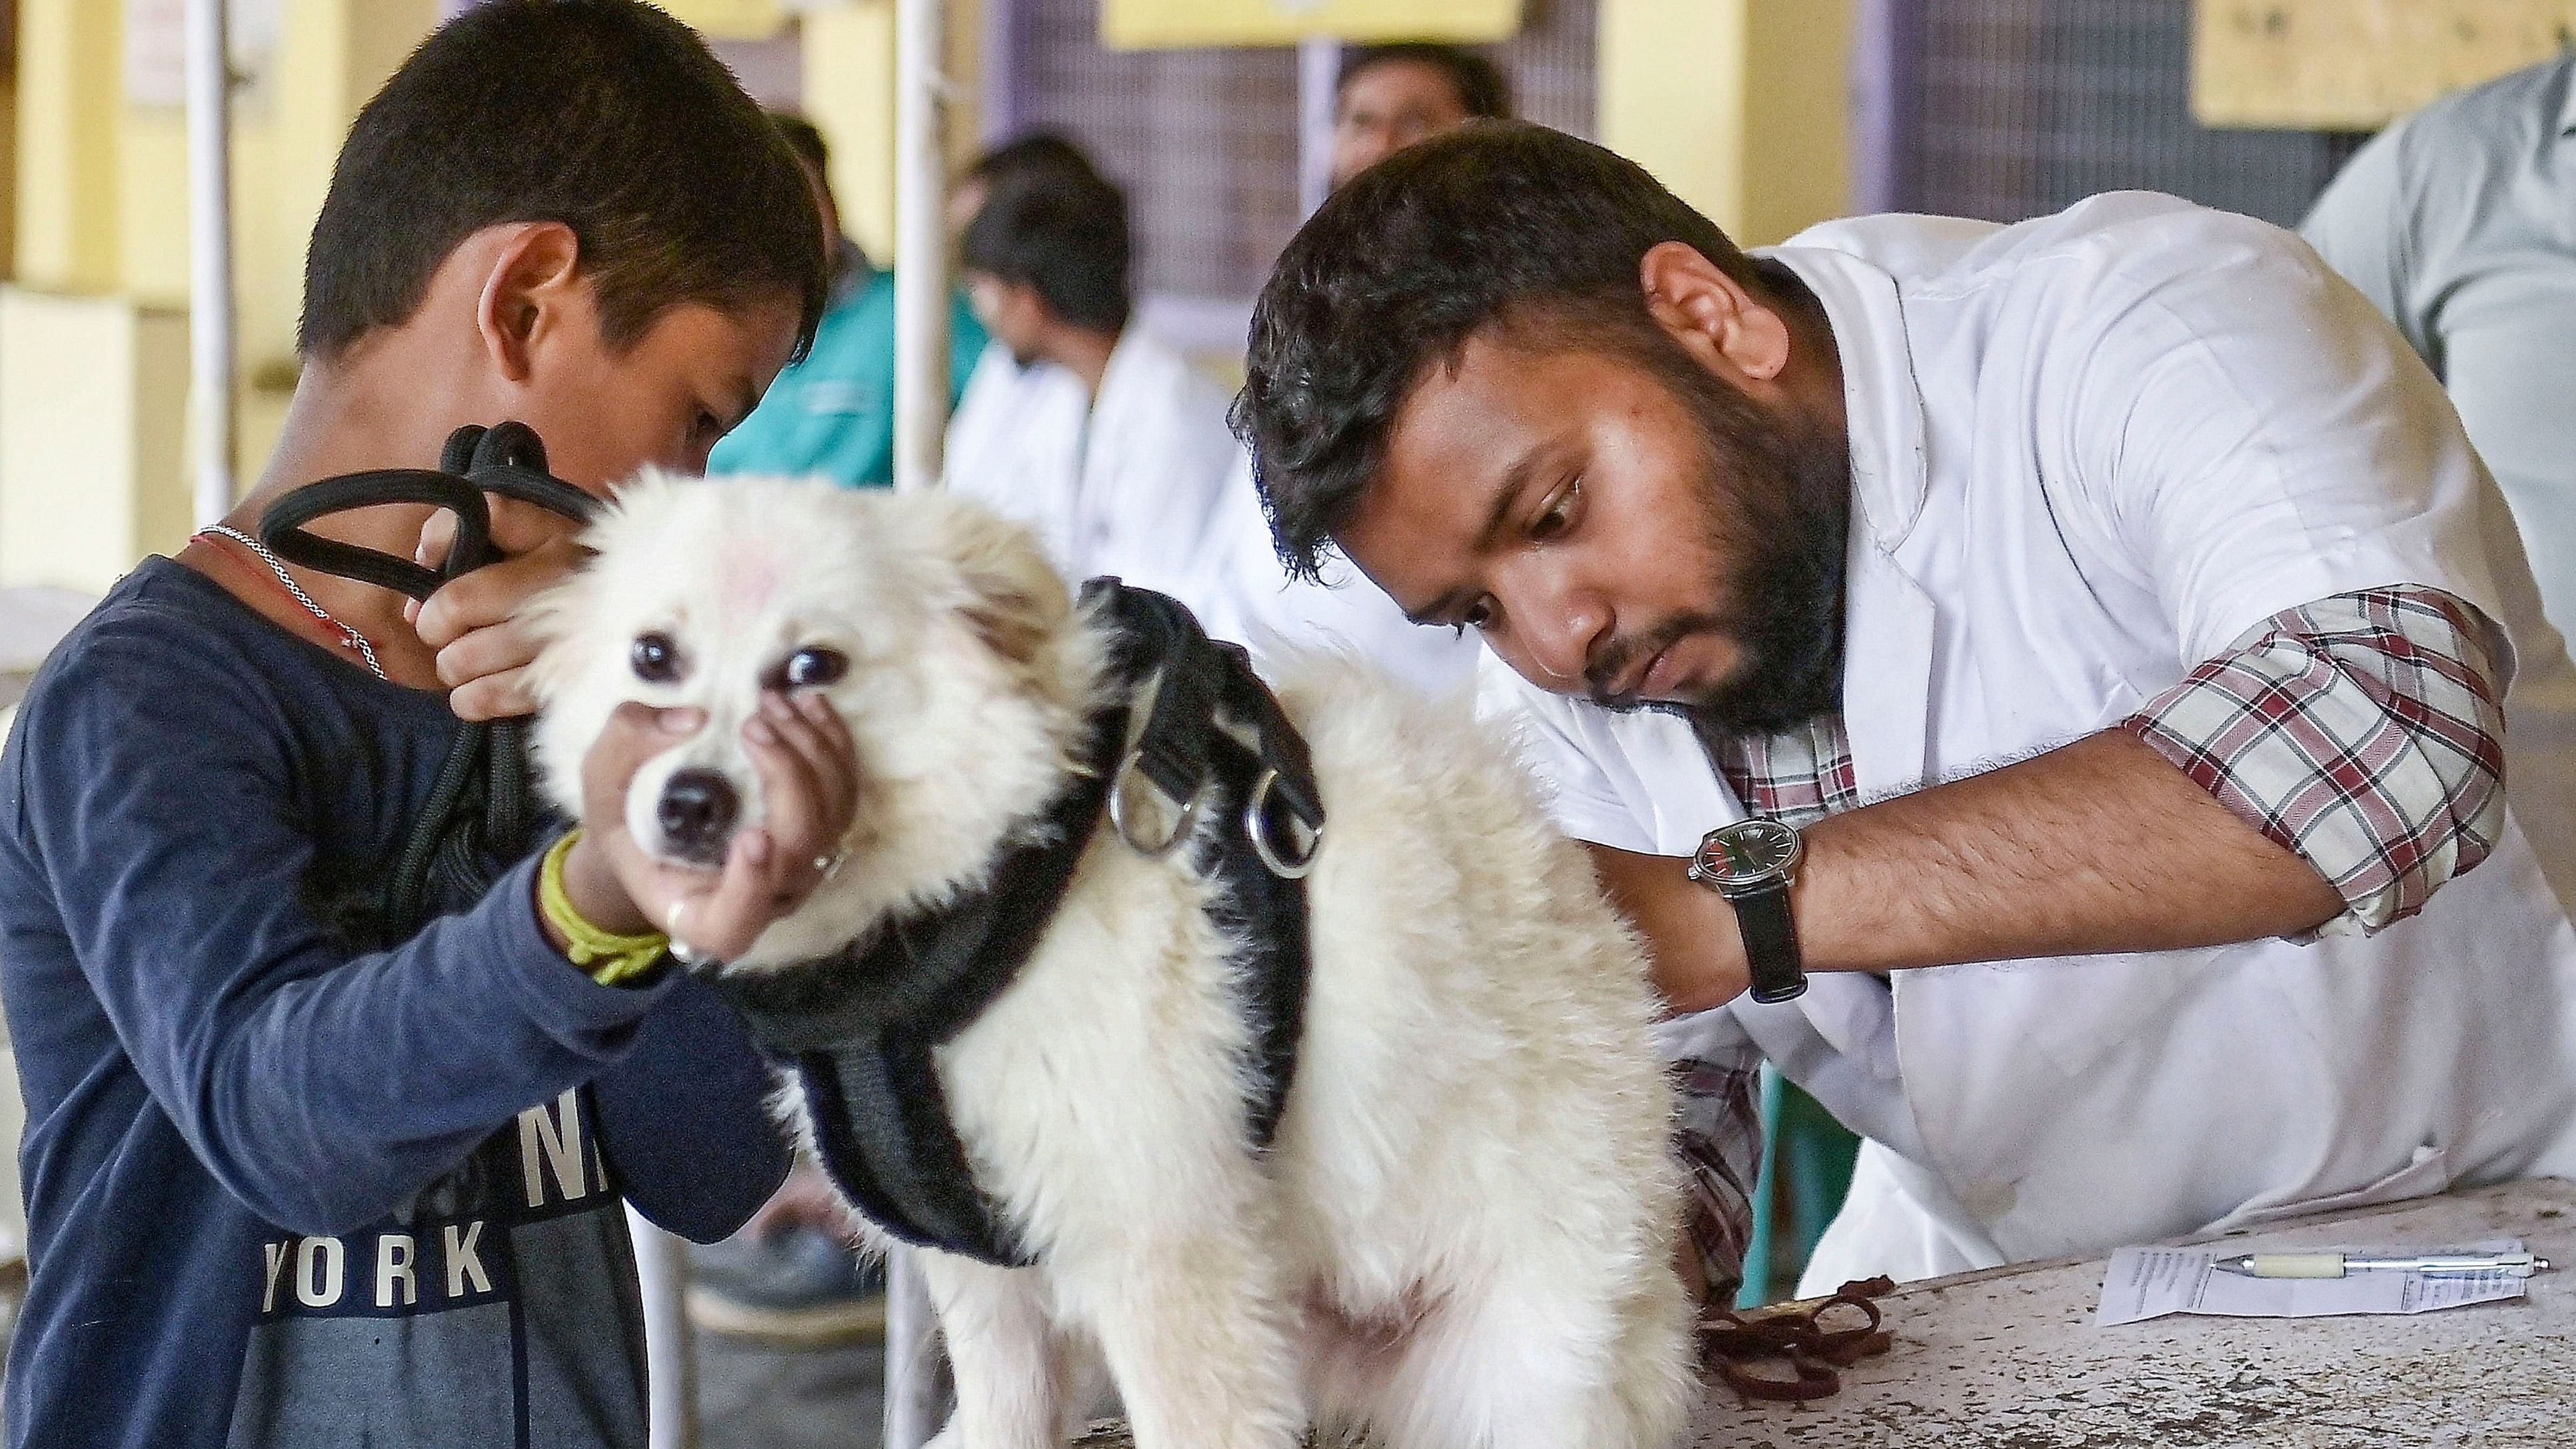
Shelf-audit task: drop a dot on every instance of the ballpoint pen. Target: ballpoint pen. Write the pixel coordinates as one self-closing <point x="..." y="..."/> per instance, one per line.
<point x="2338" y="1264"/>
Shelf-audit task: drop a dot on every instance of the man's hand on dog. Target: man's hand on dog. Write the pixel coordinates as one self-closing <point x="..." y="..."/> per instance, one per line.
<point x="808" y="784"/>
<point x="483" y="654"/>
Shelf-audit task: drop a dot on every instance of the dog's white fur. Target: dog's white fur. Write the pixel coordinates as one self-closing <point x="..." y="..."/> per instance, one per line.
<point x="1463" y="1236"/>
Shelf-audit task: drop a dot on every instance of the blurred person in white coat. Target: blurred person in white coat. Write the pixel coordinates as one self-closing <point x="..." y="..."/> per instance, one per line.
<point x="1010" y="409"/>
<point x="1386" y="98"/>
<point x="1127" y="485"/>
<point x="2459" y="222"/>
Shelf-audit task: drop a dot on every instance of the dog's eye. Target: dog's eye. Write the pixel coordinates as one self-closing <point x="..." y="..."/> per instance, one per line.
<point x="656" y="658"/>
<point x="813" y="668"/>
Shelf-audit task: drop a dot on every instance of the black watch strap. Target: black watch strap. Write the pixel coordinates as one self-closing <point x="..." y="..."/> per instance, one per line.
<point x="1770" y="943"/>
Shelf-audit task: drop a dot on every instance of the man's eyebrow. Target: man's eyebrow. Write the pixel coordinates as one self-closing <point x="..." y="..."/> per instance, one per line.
<point x="1515" y="479"/>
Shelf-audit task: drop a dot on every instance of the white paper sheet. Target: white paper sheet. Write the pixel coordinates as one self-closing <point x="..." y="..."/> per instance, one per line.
<point x="2146" y="1283"/>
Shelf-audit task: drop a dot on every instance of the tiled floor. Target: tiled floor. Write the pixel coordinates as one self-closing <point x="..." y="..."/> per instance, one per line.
<point x="756" y="1396"/>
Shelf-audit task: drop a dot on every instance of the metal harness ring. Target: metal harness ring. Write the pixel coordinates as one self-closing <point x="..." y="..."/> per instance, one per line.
<point x="1191" y="810"/>
<point x="1256" y="828"/>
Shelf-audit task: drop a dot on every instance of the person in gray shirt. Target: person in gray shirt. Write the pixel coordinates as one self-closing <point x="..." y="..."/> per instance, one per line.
<point x="2459" y="222"/>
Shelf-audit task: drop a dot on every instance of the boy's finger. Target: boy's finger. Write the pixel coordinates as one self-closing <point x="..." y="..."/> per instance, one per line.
<point x="436" y="537"/>
<point x="518" y="527"/>
<point x="508" y="694"/>
<point x="745" y="900"/>
<point x="634" y="733"/>
<point x="814" y="731"/>
<point x="837" y="756"/>
<point x="791" y="727"/>
<point x="493" y="649"/>
<point x="789" y="785"/>
<point x="489" y="595"/>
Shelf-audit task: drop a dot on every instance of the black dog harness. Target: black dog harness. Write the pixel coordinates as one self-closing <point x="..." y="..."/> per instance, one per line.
<point x="860" y="1028"/>
<point x="1194" y="724"/>
<point x="482" y="810"/>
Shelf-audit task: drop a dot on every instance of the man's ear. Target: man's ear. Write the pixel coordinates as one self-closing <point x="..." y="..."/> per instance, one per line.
<point x="1713" y="316"/>
<point x="530" y="291"/>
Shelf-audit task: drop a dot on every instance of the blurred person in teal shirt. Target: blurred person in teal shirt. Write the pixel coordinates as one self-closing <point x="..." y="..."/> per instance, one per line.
<point x="832" y="414"/>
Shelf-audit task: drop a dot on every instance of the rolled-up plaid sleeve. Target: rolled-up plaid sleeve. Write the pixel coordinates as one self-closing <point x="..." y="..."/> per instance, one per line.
<point x="1719" y="1142"/>
<point x="2364" y="732"/>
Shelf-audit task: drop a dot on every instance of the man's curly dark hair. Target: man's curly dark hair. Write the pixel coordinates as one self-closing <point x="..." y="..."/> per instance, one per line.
<point x="1496" y="221"/>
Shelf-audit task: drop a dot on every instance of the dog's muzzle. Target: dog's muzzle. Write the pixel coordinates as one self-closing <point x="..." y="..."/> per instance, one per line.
<point x="697" y="812"/>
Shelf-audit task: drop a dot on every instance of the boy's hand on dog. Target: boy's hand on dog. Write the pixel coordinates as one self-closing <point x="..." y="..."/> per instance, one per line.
<point x="809" y="787"/>
<point x="483" y="655"/>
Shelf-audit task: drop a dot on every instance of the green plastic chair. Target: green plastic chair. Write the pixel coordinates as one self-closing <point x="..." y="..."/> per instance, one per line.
<point x="1798" y="1134"/>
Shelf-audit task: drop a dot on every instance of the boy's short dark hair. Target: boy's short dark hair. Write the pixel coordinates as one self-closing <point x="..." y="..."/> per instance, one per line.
<point x="805" y="139"/>
<point x="1063" y="235"/>
<point x="1498" y="221"/>
<point x="606" y="115"/>
<point x="1482" y="92"/>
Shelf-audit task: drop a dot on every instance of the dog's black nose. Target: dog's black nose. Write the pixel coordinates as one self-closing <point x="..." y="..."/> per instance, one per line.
<point x="696" y="812"/>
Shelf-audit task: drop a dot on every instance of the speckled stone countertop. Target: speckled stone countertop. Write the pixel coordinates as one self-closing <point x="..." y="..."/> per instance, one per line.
<point x="2008" y="1359"/>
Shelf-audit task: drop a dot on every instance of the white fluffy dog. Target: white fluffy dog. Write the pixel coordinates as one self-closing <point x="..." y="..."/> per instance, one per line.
<point x="1463" y="1233"/>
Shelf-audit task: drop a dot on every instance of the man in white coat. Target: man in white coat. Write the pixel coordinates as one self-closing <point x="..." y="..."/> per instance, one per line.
<point x="1126" y="484"/>
<point x="1007" y="432"/>
<point x="2103" y="621"/>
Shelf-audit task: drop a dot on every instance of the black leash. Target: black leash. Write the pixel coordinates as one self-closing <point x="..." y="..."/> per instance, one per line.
<point x="483" y="809"/>
<point x="860" y="1028"/>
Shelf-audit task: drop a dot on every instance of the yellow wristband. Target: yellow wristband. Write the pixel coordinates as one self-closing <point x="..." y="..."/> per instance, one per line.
<point x="608" y="957"/>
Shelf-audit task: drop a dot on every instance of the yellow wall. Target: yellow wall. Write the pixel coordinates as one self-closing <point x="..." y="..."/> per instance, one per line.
<point x="729" y="19"/>
<point x="2356" y="65"/>
<point x="1144" y="24"/>
<point x="91" y="477"/>
<point x="69" y="84"/>
<point x="848" y="88"/>
<point x="849" y="96"/>
<point x="1740" y="106"/>
<point x="102" y="253"/>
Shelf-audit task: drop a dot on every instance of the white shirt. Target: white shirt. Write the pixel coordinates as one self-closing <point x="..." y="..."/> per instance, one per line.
<point x="1151" y="485"/>
<point x="1248" y="596"/>
<point x="2459" y="222"/>
<point x="1014" y="441"/>
<point x="2088" y="452"/>
<point x="1124" y="483"/>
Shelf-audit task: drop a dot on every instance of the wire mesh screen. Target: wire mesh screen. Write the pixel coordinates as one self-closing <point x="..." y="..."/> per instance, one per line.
<point x="1552" y="64"/>
<point x="2027" y="106"/>
<point x="1205" y="141"/>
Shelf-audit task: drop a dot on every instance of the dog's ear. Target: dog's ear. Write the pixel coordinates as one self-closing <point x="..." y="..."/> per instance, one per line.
<point x="1015" y="600"/>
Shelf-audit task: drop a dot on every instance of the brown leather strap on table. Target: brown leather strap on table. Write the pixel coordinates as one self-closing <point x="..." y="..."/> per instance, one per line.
<point x="1814" y="1354"/>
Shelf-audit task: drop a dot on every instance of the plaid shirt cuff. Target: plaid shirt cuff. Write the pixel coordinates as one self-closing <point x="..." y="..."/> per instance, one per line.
<point x="2363" y="732"/>
<point x="1719" y="1142"/>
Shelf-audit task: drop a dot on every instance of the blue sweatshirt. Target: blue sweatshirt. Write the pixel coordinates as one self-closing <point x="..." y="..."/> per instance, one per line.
<point x="289" y="1185"/>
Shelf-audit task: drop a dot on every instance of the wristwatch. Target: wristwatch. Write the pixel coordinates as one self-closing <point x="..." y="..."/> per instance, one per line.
<point x="1751" y="863"/>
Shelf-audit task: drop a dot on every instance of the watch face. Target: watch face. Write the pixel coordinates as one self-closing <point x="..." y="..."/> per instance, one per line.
<point x="1748" y="852"/>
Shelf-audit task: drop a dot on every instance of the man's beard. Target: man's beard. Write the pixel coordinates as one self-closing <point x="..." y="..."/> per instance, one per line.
<point x="1778" y="499"/>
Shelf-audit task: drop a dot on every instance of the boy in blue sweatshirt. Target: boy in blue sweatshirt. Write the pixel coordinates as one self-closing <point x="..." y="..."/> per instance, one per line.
<point x="299" y="1176"/>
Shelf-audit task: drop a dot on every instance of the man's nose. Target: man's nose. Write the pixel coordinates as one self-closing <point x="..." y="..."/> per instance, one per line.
<point x="696" y="812"/>
<point x="1558" y="635"/>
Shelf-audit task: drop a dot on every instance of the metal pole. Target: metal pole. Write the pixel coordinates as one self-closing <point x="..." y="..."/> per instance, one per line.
<point x="1319" y="74"/>
<point x="921" y="291"/>
<point x="670" y="1348"/>
<point x="921" y="284"/>
<point x="210" y="257"/>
